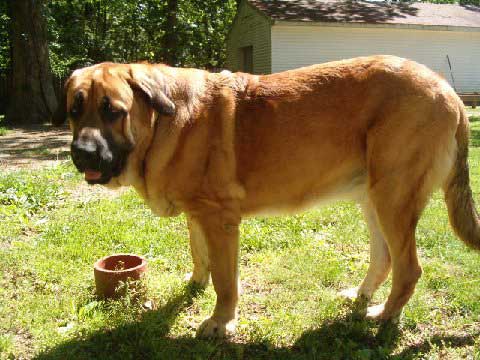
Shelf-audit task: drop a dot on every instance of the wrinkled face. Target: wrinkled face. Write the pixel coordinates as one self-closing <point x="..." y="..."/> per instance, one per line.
<point x="109" y="107"/>
<point x="98" y="106"/>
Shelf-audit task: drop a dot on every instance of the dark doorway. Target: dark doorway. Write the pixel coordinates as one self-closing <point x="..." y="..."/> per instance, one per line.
<point x="246" y="59"/>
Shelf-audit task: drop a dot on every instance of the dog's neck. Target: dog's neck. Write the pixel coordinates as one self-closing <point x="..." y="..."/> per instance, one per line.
<point x="150" y="168"/>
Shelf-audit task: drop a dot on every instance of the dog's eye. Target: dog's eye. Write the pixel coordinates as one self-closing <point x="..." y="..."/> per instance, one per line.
<point x="109" y="113"/>
<point x="77" y="107"/>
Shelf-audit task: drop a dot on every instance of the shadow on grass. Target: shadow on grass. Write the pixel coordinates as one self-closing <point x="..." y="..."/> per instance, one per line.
<point x="345" y="337"/>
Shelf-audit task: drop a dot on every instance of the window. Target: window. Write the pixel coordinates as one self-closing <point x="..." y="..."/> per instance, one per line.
<point x="246" y="59"/>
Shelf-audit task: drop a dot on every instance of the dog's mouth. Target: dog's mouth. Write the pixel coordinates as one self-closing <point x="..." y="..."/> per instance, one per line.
<point x="105" y="173"/>
<point x="96" y="177"/>
<point x="92" y="175"/>
<point x="102" y="163"/>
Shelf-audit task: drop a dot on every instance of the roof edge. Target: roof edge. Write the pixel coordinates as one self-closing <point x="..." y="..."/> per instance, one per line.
<point x="258" y="11"/>
<point x="253" y="7"/>
<point x="377" y="25"/>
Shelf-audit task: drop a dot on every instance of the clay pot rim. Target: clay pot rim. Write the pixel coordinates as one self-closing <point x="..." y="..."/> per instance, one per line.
<point x="97" y="267"/>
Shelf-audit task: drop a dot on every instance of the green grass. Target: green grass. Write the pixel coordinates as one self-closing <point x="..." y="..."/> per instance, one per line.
<point x="3" y="129"/>
<point x="474" y="114"/>
<point x="291" y="270"/>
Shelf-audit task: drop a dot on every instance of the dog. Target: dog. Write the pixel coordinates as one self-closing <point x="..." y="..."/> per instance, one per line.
<point x="381" y="130"/>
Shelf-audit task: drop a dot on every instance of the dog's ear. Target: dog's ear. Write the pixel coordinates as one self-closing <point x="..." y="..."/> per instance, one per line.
<point x="152" y="84"/>
<point x="60" y="114"/>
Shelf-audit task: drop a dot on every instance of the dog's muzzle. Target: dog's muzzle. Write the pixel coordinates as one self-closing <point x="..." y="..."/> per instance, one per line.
<point x="98" y="159"/>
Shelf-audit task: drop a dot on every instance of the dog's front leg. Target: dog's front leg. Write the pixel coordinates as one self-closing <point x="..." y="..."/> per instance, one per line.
<point x="199" y="250"/>
<point x="221" y="235"/>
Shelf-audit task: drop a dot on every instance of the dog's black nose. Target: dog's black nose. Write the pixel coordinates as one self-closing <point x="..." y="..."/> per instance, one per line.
<point x="85" y="154"/>
<point x="84" y="146"/>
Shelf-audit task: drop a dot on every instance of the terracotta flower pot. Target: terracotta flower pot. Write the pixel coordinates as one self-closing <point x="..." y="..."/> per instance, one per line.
<point x="113" y="269"/>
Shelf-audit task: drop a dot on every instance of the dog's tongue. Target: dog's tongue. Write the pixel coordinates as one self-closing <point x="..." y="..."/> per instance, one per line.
<point x="92" y="174"/>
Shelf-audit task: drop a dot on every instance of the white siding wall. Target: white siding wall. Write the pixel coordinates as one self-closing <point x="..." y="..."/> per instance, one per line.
<point x="250" y="28"/>
<point x="296" y="46"/>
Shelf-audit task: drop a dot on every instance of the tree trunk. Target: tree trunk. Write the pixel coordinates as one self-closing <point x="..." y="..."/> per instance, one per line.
<point x="31" y="96"/>
<point x="170" y="39"/>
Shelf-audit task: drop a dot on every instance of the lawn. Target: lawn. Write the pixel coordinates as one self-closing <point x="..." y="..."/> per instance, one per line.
<point x="52" y="229"/>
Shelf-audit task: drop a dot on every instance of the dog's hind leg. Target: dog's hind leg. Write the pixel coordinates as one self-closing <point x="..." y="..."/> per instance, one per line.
<point x="398" y="221"/>
<point x="409" y="153"/>
<point x="380" y="262"/>
<point x="398" y="191"/>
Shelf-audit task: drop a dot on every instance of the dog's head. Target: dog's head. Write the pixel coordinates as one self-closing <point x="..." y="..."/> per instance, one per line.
<point x="111" y="109"/>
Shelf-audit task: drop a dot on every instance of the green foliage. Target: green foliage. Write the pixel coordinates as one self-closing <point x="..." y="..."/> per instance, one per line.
<point x="27" y="192"/>
<point x="202" y="30"/>
<point x="86" y="32"/>
<point x="4" y="41"/>
<point x="3" y="129"/>
<point x="6" y="346"/>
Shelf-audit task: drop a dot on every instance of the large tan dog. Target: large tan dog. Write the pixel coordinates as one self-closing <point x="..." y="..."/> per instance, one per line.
<point x="381" y="130"/>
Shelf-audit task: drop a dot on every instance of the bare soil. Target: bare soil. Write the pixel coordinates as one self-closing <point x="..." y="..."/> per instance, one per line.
<point x="34" y="146"/>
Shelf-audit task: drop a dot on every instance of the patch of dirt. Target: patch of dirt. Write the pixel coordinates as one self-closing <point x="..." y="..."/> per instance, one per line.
<point x="84" y="192"/>
<point x="24" y="344"/>
<point x="34" y="146"/>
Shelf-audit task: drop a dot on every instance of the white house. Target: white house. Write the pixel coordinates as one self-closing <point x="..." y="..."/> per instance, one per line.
<point x="274" y="35"/>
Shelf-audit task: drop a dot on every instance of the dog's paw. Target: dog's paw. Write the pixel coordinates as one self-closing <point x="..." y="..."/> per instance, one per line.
<point x="349" y="294"/>
<point x="213" y="328"/>
<point x="378" y="313"/>
<point x="197" y="280"/>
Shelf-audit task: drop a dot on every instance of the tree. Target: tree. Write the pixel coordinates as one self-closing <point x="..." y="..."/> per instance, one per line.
<point x="31" y="96"/>
<point x="178" y="32"/>
<point x="84" y="32"/>
<point x="170" y="38"/>
<point x="4" y="55"/>
<point x="201" y="31"/>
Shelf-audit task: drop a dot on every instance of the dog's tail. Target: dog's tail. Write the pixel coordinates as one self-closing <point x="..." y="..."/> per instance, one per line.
<point x="458" y="194"/>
